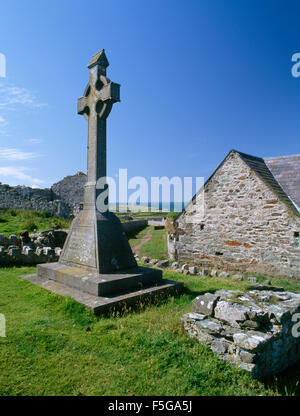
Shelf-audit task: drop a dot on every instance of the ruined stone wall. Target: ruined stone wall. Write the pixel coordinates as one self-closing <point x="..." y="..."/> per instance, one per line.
<point x="245" y="227"/>
<point x="70" y="190"/>
<point x="21" y="197"/>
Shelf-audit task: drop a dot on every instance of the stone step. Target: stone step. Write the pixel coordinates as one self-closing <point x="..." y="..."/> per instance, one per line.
<point x="101" y="304"/>
<point x="100" y="284"/>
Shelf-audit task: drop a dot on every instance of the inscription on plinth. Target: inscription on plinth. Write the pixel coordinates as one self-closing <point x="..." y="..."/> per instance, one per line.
<point x="81" y="247"/>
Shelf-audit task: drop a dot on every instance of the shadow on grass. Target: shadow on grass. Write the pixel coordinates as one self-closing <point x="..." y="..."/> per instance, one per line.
<point x="192" y="294"/>
<point x="286" y="383"/>
<point x="133" y="233"/>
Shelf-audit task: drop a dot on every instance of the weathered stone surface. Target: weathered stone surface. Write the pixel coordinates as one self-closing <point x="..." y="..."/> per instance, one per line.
<point x="224" y="274"/>
<point x="145" y="259"/>
<point x="248" y="330"/>
<point x="231" y="312"/>
<point x="193" y="270"/>
<point x="70" y="190"/>
<point x="163" y="263"/>
<point x="237" y="276"/>
<point x="21" y="197"/>
<point x="205" y="304"/>
<point x="184" y="267"/>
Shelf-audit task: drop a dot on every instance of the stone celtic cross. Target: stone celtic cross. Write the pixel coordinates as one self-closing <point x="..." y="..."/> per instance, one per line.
<point x="96" y="104"/>
<point x="96" y="240"/>
<point x="97" y="266"/>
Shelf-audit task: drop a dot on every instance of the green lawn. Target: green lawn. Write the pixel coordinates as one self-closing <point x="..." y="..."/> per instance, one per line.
<point x="13" y="221"/>
<point x="54" y="346"/>
<point x="156" y="248"/>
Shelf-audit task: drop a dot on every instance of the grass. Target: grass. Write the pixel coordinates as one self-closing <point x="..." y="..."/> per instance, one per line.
<point x="156" y="247"/>
<point x="54" y="346"/>
<point x="13" y="221"/>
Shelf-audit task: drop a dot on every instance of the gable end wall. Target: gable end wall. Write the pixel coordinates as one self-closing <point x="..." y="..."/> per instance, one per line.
<point x="246" y="227"/>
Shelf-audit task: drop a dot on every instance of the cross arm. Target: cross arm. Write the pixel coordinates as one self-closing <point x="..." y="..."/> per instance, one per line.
<point x="82" y="103"/>
<point x="110" y="92"/>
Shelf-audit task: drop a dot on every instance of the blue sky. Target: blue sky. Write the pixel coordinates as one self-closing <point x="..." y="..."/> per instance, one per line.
<point x="198" y="78"/>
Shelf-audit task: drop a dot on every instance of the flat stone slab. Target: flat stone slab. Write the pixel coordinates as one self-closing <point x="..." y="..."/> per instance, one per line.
<point x="101" y="304"/>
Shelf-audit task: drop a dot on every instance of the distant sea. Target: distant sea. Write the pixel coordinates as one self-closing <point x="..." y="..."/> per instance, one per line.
<point x="146" y="206"/>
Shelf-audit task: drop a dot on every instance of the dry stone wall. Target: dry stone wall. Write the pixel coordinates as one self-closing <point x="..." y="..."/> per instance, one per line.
<point x="245" y="227"/>
<point x="61" y="199"/>
<point x="31" y="249"/>
<point x="21" y="197"/>
<point x="70" y="190"/>
<point x="256" y="330"/>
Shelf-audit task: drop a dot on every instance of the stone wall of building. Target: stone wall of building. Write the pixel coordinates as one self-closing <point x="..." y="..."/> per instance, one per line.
<point x="21" y="197"/>
<point x="245" y="226"/>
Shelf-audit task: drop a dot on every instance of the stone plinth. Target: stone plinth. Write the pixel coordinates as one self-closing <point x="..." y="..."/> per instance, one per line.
<point x="104" y="292"/>
<point x="254" y="330"/>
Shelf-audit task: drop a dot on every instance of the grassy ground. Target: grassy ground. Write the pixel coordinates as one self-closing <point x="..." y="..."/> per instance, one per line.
<point x="54" y="346"/>
<point x="155" y="248"/>
<point x="13" y="221"/>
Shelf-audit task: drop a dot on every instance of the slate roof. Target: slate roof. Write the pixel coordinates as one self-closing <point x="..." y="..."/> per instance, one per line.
<point x="286" y="170"/>
<point x="261" y="168"/>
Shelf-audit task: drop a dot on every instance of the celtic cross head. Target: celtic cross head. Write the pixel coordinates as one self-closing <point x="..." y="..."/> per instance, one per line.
<point x="100" y="93"/>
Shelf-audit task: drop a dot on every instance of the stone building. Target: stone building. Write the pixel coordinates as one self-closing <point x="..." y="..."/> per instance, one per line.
<point x="251" y="220"/>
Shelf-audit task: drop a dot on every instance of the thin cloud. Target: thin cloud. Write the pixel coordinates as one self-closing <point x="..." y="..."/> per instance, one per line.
<point x="3" y="124"/>
<point x="19" y="174"/>
<point x="8" y="153"/>
<point x="35" y="141"/>
<point x="12" y="96"/>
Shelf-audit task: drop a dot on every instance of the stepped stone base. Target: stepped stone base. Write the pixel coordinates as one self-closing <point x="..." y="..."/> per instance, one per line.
<point x="104" y="292"/>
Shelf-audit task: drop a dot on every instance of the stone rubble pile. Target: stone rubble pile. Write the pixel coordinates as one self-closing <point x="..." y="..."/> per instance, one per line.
<point x="255" y="330"/>
<point x="192" y="270"/>
<point x="31" y="249"/>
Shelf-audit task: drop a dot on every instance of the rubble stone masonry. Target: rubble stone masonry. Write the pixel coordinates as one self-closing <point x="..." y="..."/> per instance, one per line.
<point x="246" y="226"/>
